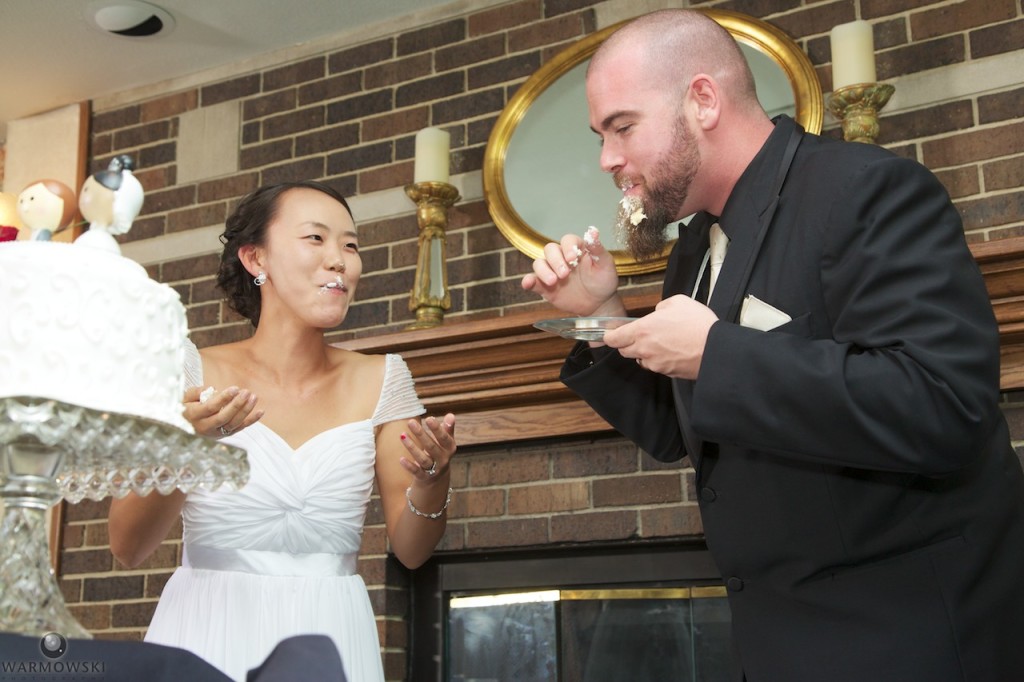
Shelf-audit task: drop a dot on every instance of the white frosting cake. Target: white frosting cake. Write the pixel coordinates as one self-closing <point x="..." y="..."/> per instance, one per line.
<point x="89" y="327"/>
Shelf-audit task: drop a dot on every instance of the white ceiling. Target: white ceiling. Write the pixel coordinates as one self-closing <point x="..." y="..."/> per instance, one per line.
<point x="53" y="54"/>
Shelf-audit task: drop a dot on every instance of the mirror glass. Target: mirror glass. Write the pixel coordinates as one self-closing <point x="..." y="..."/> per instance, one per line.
<point x="541" y="173"/>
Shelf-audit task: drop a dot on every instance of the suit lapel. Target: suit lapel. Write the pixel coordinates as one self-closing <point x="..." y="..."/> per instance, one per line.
<point x="735" y="273"/>
<point x="748" y="219"/>
<point x="681" y="278"/>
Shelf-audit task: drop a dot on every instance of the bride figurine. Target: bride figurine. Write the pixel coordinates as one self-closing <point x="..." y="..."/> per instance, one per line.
<point x="110" y="200"/>
<point x="46" y="207"/>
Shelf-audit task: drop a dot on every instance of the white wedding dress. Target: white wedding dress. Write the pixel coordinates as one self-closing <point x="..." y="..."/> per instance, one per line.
<point x="278" y="557"/>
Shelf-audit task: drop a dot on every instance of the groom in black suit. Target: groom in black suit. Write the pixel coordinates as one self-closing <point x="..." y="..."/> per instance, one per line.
<point x="838" y="395"/>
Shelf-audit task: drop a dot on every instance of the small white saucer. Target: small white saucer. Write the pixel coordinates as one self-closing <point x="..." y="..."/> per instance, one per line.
<point x="582" y="328"/>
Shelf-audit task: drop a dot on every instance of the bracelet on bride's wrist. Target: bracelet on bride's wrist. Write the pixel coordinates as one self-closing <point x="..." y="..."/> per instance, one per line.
<point x="417" y="512"/>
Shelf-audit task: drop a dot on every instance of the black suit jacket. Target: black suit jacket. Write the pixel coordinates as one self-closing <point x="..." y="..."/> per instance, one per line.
<point x="854" y="471"/>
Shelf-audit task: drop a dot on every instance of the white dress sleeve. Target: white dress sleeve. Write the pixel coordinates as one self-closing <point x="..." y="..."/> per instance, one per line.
<point x="398" y="399"/>
<point x="193" y="365"/>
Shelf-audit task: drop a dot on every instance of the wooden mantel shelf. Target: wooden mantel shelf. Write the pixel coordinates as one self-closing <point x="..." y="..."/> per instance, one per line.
<point x="500" y="375"/>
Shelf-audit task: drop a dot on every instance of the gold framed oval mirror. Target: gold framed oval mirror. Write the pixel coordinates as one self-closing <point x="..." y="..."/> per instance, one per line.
<point x="541" y="176"/>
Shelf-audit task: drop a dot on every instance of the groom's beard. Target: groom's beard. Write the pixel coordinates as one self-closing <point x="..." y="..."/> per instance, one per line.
<point x="662" y="200"/>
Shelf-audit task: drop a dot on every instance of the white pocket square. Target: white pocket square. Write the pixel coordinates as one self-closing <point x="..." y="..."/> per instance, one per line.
<point x="762" y="316"/>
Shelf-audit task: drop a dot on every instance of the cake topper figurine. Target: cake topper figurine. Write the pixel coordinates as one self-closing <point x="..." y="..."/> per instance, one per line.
<point x="110" y="200"/>
<point x="46" y="207"/>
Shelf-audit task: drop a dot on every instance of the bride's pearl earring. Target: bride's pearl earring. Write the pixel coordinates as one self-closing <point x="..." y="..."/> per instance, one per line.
<point x="260" y="279"/>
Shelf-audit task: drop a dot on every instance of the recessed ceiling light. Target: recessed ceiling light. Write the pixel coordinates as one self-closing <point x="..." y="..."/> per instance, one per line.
<point x="130" y="18"/>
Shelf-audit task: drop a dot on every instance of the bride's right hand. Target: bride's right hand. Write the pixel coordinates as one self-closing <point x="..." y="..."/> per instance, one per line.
<point x="222" y="412"/>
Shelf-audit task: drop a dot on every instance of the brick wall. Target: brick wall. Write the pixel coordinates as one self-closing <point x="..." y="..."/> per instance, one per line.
<point x="349" y="116"/>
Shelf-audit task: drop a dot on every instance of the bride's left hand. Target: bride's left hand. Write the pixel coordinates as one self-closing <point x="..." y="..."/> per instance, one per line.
<point x="431" y="448"/>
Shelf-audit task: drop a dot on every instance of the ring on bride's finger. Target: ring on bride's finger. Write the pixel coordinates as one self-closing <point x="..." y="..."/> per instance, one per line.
<point x="433" y="469"/>
<point x="224" y="431"/>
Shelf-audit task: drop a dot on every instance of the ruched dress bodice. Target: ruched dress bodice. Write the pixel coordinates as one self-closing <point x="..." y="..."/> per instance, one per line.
<point x="310" y="500"/>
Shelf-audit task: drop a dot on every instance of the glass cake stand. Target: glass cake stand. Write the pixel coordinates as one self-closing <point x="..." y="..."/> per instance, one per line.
<point x="51" y="450"/>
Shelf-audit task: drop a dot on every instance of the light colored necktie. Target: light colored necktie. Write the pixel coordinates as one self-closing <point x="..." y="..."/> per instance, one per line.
<point x="719" y="245"/>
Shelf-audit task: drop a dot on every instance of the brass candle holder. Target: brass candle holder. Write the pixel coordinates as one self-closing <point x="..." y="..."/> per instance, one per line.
<point x="857" y="107"/>
<point x="430" y="297"/>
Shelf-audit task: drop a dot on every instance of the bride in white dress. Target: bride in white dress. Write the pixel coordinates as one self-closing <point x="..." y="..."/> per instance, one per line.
<point x="278" y="557"/>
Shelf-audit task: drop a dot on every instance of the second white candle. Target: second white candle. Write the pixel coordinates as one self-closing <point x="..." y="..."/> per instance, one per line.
<point x="432" y="145"/>
<point x="853" y="54"/>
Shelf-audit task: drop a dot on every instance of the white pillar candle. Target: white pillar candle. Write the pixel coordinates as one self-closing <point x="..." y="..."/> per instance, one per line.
<point x="853" y="54"/>
<point x="431" y="156"/>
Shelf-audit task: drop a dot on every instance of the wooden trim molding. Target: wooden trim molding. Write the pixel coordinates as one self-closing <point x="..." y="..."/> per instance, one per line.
<point x="500" y="375"/>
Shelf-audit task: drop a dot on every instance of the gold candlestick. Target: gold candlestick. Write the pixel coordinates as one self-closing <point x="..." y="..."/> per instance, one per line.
<point x="857" y="107"/>
<point x="430" y="296"/>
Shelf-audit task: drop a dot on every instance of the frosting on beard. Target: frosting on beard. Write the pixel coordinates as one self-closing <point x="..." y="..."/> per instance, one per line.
<point x="630" y="215"/>
<point x="630" y="210"/>
<point x="643" y="235"/>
